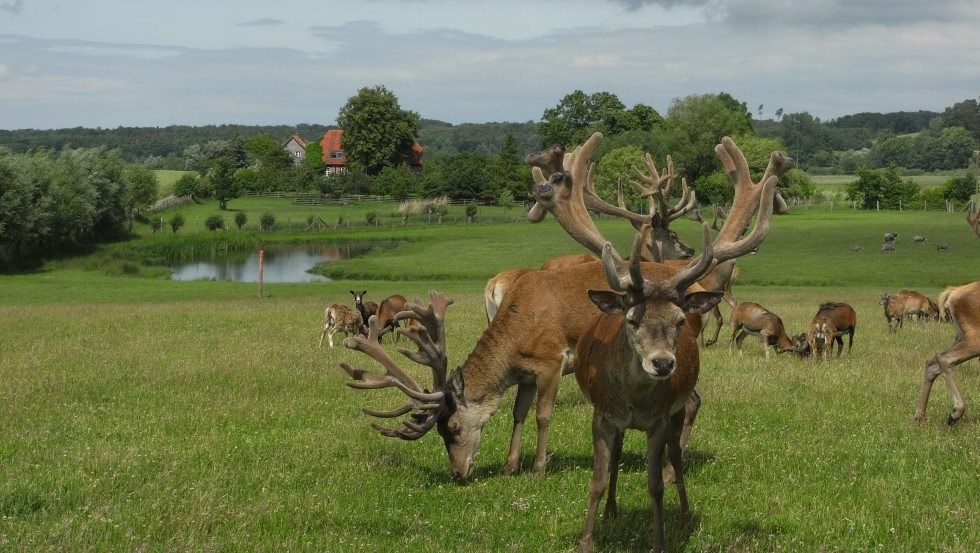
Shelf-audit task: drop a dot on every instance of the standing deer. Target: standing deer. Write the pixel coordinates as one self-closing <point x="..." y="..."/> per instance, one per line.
<point x="963" y="305"/>
<point x="820" y="337"/>
<point x="752" y="318"/>
<point x="493" y="293"/>
<point x="904" y="304"/>
<point x="843" y="320"/>
<point x="387" y="310"/>
<point x="339" y="318"/>
<point x="365" y="308"/>
<point x="973" y="219"/>
<point x="531" y="340"/>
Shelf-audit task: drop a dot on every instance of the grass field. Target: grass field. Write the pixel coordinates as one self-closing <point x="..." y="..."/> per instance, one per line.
<point x="142" y="414"/>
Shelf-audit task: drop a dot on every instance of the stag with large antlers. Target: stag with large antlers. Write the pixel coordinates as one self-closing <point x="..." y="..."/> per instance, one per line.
<point x="530" y="341"/>
<point x="637" y="362"/>
<point x="962" y="303"/>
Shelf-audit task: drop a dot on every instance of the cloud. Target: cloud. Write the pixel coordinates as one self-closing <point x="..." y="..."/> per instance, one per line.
<point x="14" y="6"/>
<point x="263" y="22"/>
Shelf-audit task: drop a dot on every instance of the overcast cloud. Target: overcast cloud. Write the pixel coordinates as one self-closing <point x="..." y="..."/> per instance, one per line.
<point x="103" y="63"/>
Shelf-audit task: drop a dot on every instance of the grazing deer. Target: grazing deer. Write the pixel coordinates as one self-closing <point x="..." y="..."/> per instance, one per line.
<point x="365" y="308"/>
<point x="963" y="305"/>
<point x="904" y="304"/>
<point x="530" y="342"/>
<point x="752" y="318"/>
<point x="339" y="318"/>
<point x="842" y="318"/>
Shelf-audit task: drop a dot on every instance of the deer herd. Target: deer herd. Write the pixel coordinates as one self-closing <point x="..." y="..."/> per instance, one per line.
<point x="628" y="329"/>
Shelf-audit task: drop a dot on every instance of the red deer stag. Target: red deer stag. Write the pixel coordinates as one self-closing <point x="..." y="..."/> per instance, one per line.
<point x="638" y="362"/>
<point x="529" y="342"/>
<point x="493" y="293"/>
<point x="963" y="305"/>
<point x="752" y="318"/>
<point x="339" y="318"/>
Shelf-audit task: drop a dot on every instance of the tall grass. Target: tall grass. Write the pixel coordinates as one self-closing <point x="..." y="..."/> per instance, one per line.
<point x="159" y="415"/>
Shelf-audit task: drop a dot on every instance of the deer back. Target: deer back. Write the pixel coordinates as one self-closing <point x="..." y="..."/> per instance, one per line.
<point x="841" y="315"/>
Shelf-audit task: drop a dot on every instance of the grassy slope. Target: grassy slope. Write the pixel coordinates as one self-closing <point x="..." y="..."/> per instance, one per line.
<point x="142" y="413"/>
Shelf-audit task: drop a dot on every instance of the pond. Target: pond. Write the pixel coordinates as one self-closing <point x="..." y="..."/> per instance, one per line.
<point x="286" y="263"/>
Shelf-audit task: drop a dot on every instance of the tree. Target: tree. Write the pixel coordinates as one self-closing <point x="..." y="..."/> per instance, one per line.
<point x="399" y="182"/>
<point x="377" y="132"/>
<point x="508" y="172"/>
<point x="221" y="176"/>
<point x="467" y="176"/>
<point x="267" y="220"/>
<point x="578" y="115"/>
<point x="960" y="188"/>
<point x="614" y="168"/>
<point x="187" y="185"/>
<point x="141" y="190"/>
<point x="695" y="124"/>
<point x="882" y="188"/>
<point x="240" y="219"/>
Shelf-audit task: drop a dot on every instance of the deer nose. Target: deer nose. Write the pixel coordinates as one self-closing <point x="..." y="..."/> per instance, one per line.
<point x="663" y="365"/>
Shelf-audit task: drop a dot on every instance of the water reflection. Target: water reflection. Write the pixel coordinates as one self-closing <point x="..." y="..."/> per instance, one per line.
<point x="281" y="263"/>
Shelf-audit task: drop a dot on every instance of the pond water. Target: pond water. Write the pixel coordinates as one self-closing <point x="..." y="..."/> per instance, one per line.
<point x="281" y="263"/>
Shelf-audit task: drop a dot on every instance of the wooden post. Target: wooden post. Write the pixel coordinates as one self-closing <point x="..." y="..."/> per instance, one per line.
<point x="261" y="264"/>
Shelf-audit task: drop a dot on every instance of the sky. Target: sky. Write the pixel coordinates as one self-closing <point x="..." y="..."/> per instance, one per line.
<point x="102" y="63"/>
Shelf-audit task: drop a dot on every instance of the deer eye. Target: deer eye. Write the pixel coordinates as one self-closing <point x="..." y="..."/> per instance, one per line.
<point x="680" y="323"/>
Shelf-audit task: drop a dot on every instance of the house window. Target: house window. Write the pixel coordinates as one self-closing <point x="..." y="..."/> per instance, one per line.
<point x="336" y="154"/>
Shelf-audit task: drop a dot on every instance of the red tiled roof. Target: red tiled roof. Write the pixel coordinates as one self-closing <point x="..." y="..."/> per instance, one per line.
<point x="331" y="143"/>
<point x="298" y="140"/>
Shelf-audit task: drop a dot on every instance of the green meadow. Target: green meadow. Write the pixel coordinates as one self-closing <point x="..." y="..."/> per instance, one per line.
<point x="145" y="414"/>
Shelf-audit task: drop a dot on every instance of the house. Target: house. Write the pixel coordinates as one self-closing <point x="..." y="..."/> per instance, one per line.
<point x="336" y="160"/>
<point x="296" y="148"/>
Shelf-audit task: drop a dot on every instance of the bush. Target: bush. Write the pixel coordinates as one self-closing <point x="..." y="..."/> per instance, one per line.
<point x="176" y="222"/>
<point x="215" y="222"/>
<point x="240" y="219"/>
<point x="267" y="221"/>
<point x="371" y="217"/>
<point x="471" y="210"/>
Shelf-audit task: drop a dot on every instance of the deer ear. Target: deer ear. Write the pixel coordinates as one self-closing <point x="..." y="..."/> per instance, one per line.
<point x="608" y="301"/>
<point x="701" y="302"/>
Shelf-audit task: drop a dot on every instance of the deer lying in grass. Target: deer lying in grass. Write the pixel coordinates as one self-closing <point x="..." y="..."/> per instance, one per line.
<point x="963" y="305"/>
<point x="531" y="340"/>
<point x="752" y="318"/>
<point x="339" y="318"/>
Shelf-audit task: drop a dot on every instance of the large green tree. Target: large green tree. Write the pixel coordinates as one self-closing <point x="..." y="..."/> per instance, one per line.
<point x="578" y="115"/>
<point x="142" y="188"/>
<point x="221" y="177"/>
<point x="378" y="133"/>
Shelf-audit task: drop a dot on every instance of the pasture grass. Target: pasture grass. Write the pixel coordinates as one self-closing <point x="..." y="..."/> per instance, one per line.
<point x="156" y="415"/>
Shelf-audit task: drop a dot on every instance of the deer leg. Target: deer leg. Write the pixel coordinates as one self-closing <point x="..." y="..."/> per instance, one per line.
<point x="675" y="452"/>
<point x="720" y="322"/>
<point x="932" y="370"/>
<point x="603" y="437"/>
<point x="765" y="342"/>
<point x="522" y="404"/>
<point x="547" y="393"/>
<point x="850" y="340"/>
<point x="322" y="334"/>
<point x="656" y="440"/>
<point x="616" y="454"/>
<point x="947" y="360"/>
<point x="691" y="408"/>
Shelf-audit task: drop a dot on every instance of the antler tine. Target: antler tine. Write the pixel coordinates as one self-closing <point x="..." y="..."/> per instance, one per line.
<point x="596" y="203"/>
<point x="747" y="193"/>
<point x="687" y="202"/>
<point x="694" y="271"/>
<point x="621" y="275"/>
<point x="660" y="186"/>
<point x="430" y="337"/>
<point x="426" y="404"/>
<point x="725" y="250"/>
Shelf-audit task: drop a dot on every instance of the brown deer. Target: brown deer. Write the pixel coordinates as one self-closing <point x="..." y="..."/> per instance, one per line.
<point x="843" y="320"/>
<point x="752" y="318"/>
<point x="963" y="305"/>
<point x="820" y="337"/>
<point x="531" y="340"/>
<point x="387" y="310"/>
<point x="904" y="304"/>
<point x="973" y="219"/>
<point x="493" y="293"/>
<point x="339" y="318"/>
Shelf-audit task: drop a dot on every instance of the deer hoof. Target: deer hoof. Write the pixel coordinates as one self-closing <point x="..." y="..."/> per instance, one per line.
<point x="953" y="420"/>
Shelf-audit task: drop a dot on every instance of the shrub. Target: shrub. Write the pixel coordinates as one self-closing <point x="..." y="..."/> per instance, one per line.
<point x="176" y="222"/>
<point x="371" y="217"/>
<point x="215" y="222"/>
<point x="240" y="219"/>
<point x="471" y="210"/>
<point x="267" y="221"/>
